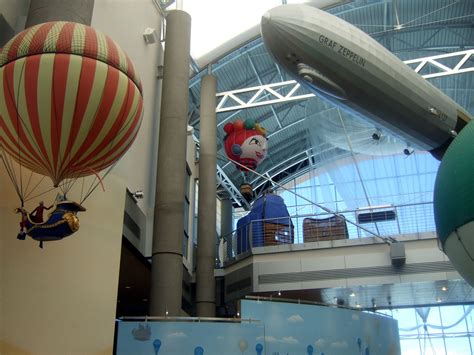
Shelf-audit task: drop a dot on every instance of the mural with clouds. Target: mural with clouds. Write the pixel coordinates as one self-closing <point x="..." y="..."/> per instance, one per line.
<point x="276" y="328"/>
<point x="189" y="338"/>
<point x="292" y="329"/>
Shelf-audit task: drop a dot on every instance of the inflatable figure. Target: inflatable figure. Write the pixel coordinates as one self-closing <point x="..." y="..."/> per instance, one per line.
<point x="245" y="143"/>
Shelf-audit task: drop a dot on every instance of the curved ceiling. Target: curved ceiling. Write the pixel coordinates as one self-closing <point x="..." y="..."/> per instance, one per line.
<point x="302" y="132"/>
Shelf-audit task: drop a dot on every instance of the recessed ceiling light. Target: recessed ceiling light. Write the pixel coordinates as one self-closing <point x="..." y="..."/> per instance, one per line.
<point x="438" y="300"/>
<point x="352" y="294"/>
<point x="358" y="305"/>
<point x="128" y="287"/>
<point x="444" y="288"/>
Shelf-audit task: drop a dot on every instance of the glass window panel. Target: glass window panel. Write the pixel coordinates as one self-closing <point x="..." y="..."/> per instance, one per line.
<point x="307" y="209"/>
<point x="451" y="315"/>
<point x="406" y="320"/>
<point x="410" y="347"/>
<point x="432" y="346"/>
<point x="185" y="245"/>
<point x="304" y="195"/>
<point x="288" y="197"/>
<point x="433" y="318"/>
<point x="458" y="345"/>
<point x="470" y="318"/>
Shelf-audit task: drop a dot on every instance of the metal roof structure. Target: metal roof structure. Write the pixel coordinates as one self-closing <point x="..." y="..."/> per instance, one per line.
<point x="301" y="126"/>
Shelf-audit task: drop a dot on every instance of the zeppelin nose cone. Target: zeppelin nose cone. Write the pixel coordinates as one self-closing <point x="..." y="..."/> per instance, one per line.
<point x="266" y="18"/>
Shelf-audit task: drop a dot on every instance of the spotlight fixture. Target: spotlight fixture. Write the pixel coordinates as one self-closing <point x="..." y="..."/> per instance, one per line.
<point x="376" y="135"/>
<point x="352" y="294"/>
<point x="138" y="194"/>
<point x="279" y="293"/>
<point x="444" y="288"/>
<point x="149" y="34"/>
<point x="408" y="151"/>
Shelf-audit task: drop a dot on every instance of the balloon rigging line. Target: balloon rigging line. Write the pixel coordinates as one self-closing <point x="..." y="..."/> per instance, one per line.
<point x="326" y="209"/>
<point x="34" y="188"/>
<point x="349" y="142"/>
<point x="10" y="174"/>
<point x="98" y="178"/>
<point x="28" y="184"/>
<point x="106" y="173"/>
<point x="40" y="194"/>
<point x="82" y="188"/>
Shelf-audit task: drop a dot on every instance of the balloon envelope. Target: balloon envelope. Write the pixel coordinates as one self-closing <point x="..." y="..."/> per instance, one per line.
<point x="70" y="101"/>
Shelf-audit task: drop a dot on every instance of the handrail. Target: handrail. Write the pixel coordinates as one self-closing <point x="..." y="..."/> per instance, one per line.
<point x="409" y="219"/>
<point x="188" y="319"/>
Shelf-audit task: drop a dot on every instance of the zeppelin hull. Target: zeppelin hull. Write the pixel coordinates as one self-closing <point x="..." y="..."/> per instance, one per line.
<point x="351" y="69"/>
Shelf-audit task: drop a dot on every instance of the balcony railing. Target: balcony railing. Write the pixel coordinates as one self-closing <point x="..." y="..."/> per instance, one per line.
<point x="384" y="221"/>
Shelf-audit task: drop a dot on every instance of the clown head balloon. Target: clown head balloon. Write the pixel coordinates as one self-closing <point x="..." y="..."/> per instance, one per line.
<point x="245" y="143"/>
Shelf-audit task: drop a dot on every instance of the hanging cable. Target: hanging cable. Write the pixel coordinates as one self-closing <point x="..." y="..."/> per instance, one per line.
<point x="388" y="240"/>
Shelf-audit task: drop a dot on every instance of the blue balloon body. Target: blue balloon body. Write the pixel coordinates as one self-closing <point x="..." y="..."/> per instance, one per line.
<point x="157" y="345"/>
<point x="309" y="349"/>
<point x="198" y="350"/>
<point x="259" y="348"/>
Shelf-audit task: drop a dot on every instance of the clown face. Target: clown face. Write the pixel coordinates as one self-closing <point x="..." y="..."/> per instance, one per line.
<point x="254" y="148"/>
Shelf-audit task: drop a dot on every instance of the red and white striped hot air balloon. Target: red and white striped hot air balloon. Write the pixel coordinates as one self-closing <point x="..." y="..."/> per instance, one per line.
<point x="70" y="100"/>
<point x="70" y="106"/>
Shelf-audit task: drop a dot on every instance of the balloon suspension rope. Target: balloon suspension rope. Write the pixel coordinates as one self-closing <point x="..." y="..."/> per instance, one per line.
<point x="11" y="174"/>
<point x="99" y="183"/>
<point x="386" y="240"/>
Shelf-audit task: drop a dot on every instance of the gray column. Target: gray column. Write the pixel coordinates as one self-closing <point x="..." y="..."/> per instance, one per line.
<point x="227" y="225"/>
<point x="206" y="244"/>
<point x="79" y="11"/>
<point x="167" y="264"/>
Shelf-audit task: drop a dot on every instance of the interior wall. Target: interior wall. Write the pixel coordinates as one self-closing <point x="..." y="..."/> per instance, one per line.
<point x="125" y="21"/>
<point x="12" y="18"/>
<point x="61" y="299"/>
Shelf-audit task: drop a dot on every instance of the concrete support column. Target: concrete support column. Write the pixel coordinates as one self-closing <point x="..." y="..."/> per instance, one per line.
<point x="79" y="11"/>
<point x="206" y="244"/>
<point x="168" y="228"/>
<point x="227" y="225"/>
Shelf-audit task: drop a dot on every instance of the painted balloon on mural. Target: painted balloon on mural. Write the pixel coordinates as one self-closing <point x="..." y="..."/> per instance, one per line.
<point x="156" y="345"/>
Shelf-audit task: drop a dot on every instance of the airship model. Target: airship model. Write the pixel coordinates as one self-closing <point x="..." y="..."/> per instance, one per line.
<point x="346" y="66"/>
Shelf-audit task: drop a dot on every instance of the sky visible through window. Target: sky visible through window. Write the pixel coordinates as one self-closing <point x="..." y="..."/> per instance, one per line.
<point x="394" y="180"/>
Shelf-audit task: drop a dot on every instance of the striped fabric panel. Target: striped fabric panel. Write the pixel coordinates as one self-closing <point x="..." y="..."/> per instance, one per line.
<point x="67" y="116"/>
<point x="69" y="38"/>
<point x="16" y="131"/>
